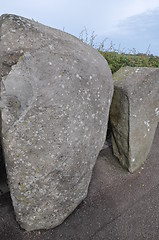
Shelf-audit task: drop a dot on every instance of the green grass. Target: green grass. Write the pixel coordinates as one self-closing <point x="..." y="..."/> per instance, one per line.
<point x="117" y="60"/>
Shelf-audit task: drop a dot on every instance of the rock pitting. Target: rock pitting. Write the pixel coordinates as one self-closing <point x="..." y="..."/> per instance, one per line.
<point x="56" y="94"/>
<point x="134" y="114"/>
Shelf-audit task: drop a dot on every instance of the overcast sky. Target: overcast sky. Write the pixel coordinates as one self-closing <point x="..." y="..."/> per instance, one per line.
<point x="130" y="24"/>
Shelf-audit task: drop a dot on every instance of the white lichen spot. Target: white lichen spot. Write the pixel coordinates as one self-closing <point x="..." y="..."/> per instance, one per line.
<point x="90" y="77"/>
<point x="140" y="99"/>
<point x="147" y="123"/>
<point x="78" y="76"/>
<point x="13" y="30"/>
<point x="133" y="160"/>
<point x="50" y="63"/>
<point x="157" y="111"/>
<point x="51" y="47"/>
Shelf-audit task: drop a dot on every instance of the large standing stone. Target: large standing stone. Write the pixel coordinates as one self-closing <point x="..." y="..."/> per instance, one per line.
<point x="134" y="114"/>
<point x="56" y="103"/>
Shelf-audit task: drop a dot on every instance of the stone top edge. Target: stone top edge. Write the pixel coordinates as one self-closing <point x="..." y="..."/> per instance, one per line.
<point x="49" y="30"/>
<point x="126" y="72"/>
<point x="7" y="16"/>
<point x="126" y="78"/>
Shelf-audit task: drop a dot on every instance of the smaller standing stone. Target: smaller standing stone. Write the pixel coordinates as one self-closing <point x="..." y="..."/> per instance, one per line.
<point x="134" y="114"/>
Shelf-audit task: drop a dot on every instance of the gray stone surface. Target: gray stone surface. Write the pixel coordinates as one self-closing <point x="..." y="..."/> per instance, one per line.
<point x="134" y="114"/>
<point x="56" y="101"/>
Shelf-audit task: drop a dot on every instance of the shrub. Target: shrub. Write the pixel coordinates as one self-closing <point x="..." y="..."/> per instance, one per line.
<point x="117" y="60"/>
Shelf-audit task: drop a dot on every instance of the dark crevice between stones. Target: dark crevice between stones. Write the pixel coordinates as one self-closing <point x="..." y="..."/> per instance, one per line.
<point x="108" y="140"/>
<point x="3" y="175"/>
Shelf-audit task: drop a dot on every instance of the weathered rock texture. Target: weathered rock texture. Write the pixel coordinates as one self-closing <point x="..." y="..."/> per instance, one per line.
<point x="56" y="102"/>
<point x="134" y="114"/>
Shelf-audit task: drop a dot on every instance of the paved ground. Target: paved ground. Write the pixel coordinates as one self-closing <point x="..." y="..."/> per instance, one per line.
<point x="119" y="205"/>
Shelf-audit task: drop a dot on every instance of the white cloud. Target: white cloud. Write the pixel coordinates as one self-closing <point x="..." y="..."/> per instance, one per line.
<point x="102" y="16"/>
<point x="139" y="31"/>
<point x="116" y="12"/>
